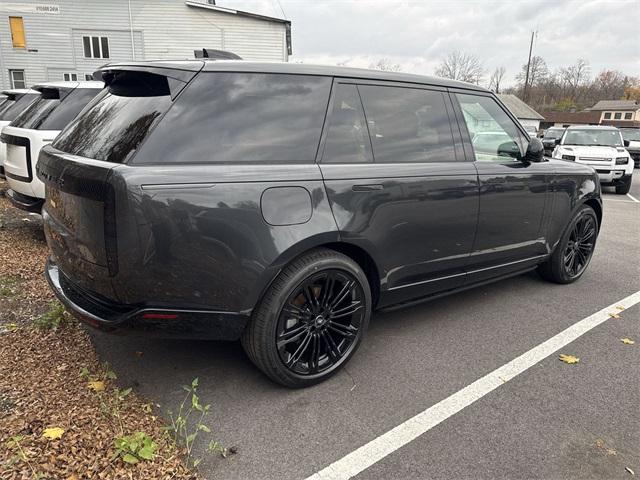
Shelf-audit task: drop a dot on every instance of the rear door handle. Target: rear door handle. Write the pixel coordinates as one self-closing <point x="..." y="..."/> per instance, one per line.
<point x="367" y="188"/>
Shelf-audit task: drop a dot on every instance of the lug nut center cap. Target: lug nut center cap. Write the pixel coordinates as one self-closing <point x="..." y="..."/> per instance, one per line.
<point x="319" y="321"/>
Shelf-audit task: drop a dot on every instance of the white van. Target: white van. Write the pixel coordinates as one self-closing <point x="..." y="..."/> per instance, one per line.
<point x="14" y="102"/>
<point x="35" y="127"/>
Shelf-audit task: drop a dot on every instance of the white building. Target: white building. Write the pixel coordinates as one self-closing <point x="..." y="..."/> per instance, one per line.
<point x="523" y="112"/>
<point x="70" y="39"/>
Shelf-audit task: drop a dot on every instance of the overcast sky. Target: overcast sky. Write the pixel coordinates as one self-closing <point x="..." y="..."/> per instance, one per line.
<point x="417" y="34"/>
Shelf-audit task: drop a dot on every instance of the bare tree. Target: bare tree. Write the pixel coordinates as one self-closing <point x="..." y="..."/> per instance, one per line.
<point x="386" y="65"/>
<point x="461" y="66"/>
<point x="496" y="79"/>
<point x="575" y="75"/>
<point x="538" y="72"/>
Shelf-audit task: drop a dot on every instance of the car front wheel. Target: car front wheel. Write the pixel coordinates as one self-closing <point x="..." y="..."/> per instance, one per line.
<point x="575" y="249"/>
<point x="624" y="188"/>
<point x="311" y="320"/>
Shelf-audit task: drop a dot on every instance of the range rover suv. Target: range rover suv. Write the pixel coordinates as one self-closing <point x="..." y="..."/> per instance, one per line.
<point x="35" y="126"/>
<point x="603" y="149"/>
<point x="14" y="102"/>
<point x="281" y="204"/>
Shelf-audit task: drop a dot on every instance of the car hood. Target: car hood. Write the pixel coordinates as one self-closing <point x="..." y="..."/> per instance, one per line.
<point x="634" y="145"/>
<point x="593" y="151"/>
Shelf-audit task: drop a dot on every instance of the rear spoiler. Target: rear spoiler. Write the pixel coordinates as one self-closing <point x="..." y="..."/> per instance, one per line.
<point x="213" y="54"/>
<point x="177" y="75"/>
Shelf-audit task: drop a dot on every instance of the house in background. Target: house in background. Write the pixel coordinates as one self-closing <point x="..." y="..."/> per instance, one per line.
<point x="619" y="113"/>
<point x="568" y="119"/>
<point x="523" y="112"/>
<point x="70" y="39"/>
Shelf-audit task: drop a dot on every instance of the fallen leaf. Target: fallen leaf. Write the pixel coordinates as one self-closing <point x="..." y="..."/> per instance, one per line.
<point x="629" y="470"/>
<point x="627" y="341"/>
<point x="614" y="315"/>
<point x="53" y="433"/>
<point x="73" y="476"/>
<point x="570" y="359"/>
<point x="620" y="308"/>
<point x="96" y="386"/>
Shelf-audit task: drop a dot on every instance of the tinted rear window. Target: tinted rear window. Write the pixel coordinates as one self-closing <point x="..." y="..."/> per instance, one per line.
<point x="12" y="108"/>
<point x="114" y="124"/>
<point x="49" y="112"/>
<point x="242" y="117"/>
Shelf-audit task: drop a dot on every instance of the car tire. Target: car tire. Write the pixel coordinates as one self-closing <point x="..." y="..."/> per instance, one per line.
<point x="573" y="245"/>
<point x="625" y="187"/>
<point x="303" y="305"/>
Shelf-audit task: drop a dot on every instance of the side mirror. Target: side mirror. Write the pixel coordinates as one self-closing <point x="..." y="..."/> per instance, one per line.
<point x="535" y="151"/>
<point x="557" y="140"/>
<point x="626" y="143"/>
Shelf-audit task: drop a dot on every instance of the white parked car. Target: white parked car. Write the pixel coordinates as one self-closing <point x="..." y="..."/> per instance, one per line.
<point x="14" y="102"/>
<point x="603" y="149"/>
<point x="531" y="130"/>
<point x="37" y="126"/>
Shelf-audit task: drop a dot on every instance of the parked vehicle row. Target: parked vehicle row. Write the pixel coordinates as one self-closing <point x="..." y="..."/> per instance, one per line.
<point x="632" y="136"/>
<point x="601" y="147"/>
<point x="281" y="204"/>
<point x="14" y="102"/>
<point x="55" y="105"/>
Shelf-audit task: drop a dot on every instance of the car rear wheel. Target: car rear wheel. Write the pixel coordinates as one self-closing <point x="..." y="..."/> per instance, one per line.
<point x="575" y="249"/>
<point x="311" y="320"/>
<point x="625" y="187"/>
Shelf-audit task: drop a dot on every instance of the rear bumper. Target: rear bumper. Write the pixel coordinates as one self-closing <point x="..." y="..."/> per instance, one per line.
<point x="25" y="202"/>
<point x="111" y="317"/>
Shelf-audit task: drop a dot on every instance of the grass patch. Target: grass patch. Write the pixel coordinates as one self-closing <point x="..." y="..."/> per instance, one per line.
<point x="8" y="285"/>
<point x="56" y="317"/>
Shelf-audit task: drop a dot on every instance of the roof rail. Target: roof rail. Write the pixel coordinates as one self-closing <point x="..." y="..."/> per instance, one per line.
<point x="216" y="54"/>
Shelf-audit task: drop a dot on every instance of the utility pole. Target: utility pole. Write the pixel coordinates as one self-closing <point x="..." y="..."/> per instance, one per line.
<point x="525" y="94"/>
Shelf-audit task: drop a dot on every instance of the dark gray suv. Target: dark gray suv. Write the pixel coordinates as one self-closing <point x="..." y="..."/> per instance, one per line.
<point x="281" y="204"/>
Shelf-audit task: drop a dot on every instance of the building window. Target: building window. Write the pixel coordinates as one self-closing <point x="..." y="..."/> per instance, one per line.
<point x="17" y="78"/>
<point x="607" y="115"/>
<point x="96" y="47"/>
<point x="17" y="32"/>
<point x="628" y="116"/>
<point x="617" y="115"/>
<point x="70" y="77"/>
<point x="88" y="77"/>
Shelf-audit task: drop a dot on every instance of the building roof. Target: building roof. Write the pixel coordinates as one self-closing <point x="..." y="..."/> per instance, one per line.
<point x="520" y="109"/>
<point x="616" y="105"/>
<point x="290" y="68"/>
<point x="233" y="11"/>
<point x="591" y="127"/>
<point x="585" y="117"/>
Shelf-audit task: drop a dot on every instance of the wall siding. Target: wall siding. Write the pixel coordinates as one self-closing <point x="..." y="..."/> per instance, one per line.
<point x="167" y="29"/>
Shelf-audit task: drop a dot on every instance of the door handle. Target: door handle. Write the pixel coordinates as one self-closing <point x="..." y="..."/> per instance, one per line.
<point x="367" y="188"/>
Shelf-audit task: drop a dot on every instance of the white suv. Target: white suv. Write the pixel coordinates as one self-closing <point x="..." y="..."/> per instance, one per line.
<point x="36" y="126"/>
<point x="603" y="149"/>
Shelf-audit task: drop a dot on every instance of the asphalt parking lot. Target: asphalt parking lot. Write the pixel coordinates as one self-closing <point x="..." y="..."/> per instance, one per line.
<point x="554" y="420"/>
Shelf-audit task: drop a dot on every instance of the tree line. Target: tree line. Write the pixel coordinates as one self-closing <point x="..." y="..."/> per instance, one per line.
<point x="565" y="88"/>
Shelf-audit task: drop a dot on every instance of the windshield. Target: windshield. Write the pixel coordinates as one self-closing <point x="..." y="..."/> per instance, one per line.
<point x="553" y="133"/>
<point x="11" y="108"/>
<point x="631" y="134"/>
<point x="593" y="137"/>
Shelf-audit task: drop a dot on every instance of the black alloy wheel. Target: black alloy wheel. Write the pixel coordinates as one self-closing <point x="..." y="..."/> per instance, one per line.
<point x="311" y="320"/>
<point x="320" y="322"/>
<point x="574" y="250"/>
<point x="580" y="246"/>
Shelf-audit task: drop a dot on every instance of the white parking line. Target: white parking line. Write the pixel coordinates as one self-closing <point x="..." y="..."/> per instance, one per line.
<point x="633" y="198"/>
<point x="387" y="443"/>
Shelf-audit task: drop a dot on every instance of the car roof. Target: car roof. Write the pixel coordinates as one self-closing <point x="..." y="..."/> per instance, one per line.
<point x="70" y="85"/>
<point x="293" y="69"/>
<point x="591" y="127"/>
<point x="18" y="91"/>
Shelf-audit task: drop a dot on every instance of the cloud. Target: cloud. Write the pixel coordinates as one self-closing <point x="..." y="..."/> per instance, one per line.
<point x="418" y="34"/>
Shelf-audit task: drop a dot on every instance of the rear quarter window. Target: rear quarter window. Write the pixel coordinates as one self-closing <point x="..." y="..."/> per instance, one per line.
<point x="242" y="118"/>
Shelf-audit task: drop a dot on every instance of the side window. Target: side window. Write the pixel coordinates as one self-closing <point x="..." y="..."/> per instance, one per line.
<point x="407" y="124"/>
<point x="494" y="136"/>
<point x="347" y="137"/>
<point x="242" y="118"/>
